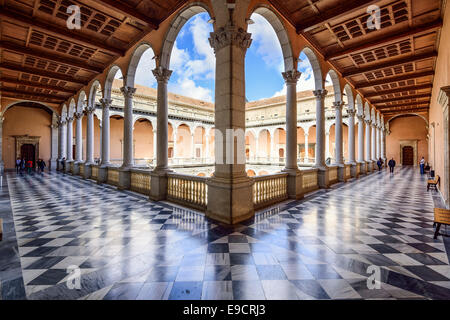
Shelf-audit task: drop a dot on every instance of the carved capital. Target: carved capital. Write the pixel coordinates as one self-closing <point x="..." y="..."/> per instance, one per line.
<point x="291" y="76"/>
<point x="69" y="119"/>
<point x="351" y="113"/>
<point x="338" y="105"/>
<point x="320" y="94"/>
<point x="90" y="110"/>
<point x="368" y="122"/>
<point x="162" y="74"/>
<point x="360" y="117"/>
<point x="128" y="92"/>
<point x="78" y="115"/>
<point x="106" y="103"/>
<point x="230" y="35"/>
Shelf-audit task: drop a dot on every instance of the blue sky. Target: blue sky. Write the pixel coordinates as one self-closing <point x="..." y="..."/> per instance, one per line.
<point x="193" y="63"/>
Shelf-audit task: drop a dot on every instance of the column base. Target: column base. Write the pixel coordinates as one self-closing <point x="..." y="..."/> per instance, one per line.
<point x="294" y="184"/>
<point x="158" y="184"/>
<point x="385" y="162"/>
<point x="76" y="168"/>
<point x="52" y="164"/>
<point x="124" y="179"/>
<point x="354" y="169"/>
<point x="362" y="168"/>
<point x="342" y="173"/>
<point x="230" y="201"/>
<point x="87" y="170"/>
<point x="323" y="177"/>
<point x="69" y="167"/>
<point x="369" y="166"/>
<point x="102" y="174"/>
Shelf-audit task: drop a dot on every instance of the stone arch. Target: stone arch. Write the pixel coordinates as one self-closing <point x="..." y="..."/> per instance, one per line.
<point x="176" y="25"/>
<point x="403" y="114"/>
<point x="336" y="85"/>
<point x="367" y="111"/>
<point x="107" y="87"/>
<point x="373" y="116"/>
<point x="251" y="173"/>
<point x="134" y="62"/>
<point x="359" y="105"/>
<point x="281" y="33"/>
<point x="317" y="69"/>
<point x="50" y="108"/>
<point x="80" y="102"/>
<point x="350" y="98"/>
<point x="95" y="87"/>
<point x="72" y="106"/>
<point x="64" y="111"/>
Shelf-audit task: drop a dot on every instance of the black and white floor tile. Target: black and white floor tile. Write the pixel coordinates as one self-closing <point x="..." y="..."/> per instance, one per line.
<point x="129" y="248"/>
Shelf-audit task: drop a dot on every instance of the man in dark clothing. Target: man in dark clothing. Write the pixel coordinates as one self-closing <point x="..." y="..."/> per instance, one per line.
<point x="18" y="161"/>
<point x="42" y="166"/>
<point x="63" y="162"/>
<point x="391" y="165"/>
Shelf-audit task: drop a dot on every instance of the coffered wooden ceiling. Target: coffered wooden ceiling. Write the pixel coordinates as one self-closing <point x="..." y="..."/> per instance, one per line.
<point x="392" y="67"/>
<point x="43" y="60"/>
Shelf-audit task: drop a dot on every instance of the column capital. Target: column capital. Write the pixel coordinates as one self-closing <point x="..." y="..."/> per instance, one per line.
<point x="291" y="76"/>
<point x="128" y="92"/>
<point x="90" y="110"/>
<point x="338" y="105"/>
<point x="106" y="103"/>
<point x="78" y="115"/>
<point x="230" y="35"/>
<point x="360" y="117"/>
<point x="61" y="122"/>
<point x="320" y="94"/>
<point x="351" y="112"/>
<point x="162" y="74"/>
<point x="69" y="119"/>
<point x="368" y="121"/>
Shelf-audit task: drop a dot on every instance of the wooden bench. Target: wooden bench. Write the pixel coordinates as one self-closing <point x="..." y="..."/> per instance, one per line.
<point x="1" y="229"/>
<point x="441" y="216"/>
<point x="432" y="184"/>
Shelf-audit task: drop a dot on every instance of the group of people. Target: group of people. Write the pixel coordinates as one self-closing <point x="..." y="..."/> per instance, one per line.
<point x="23" y="165"/>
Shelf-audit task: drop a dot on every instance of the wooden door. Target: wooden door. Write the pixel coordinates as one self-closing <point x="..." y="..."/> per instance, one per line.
<point x="408" y="156"/>
<point x="27" y="151"/>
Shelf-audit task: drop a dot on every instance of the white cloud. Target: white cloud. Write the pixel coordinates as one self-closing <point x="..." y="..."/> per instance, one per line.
<point x="144" y="75"/>
<point x="266" y="43"/>
<point x="282" y="92"/>
<point x="188" y="87"/>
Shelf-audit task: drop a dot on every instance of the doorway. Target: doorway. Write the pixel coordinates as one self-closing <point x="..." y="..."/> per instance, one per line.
<point x="27" y="151"/>
<point x="408" y="156"/>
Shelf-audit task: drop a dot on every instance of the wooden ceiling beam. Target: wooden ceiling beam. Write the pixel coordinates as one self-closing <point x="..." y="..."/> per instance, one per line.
<point x="32" y="98"/>
<point x="418" y="104"/>
<point x="40" y="54"/>
<point x="402" y="89"/>
<point x="409" y="76"/>
<point x="35" y="94"/>
<point x="41" y="73"/>
<point x="383" y="39"/>
<point x="333" y="13"/>
<point x="405" y="110"/>
<point x="130" y="12"/>
<point x="417" y="96"/>
<point x="57" y="31"/>
<point x="35" y="85"/>
<point x="392" y="63"/>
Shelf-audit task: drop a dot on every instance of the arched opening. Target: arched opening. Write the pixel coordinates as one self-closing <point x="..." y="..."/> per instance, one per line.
<point x="264" y="144"/>
<point x="250" y="146"/>
<point x="183" y="143"/>
<point x="116" y="139"/>
<point x="143" y="142"/>
<point x="199" y="143"/>
<point x="251" y="173"/>
<point x="279" y="140"/>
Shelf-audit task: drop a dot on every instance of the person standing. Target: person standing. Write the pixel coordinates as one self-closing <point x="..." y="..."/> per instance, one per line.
<point x="422" y="165"/>
<point x="379" y="164"/>
<point x="29" y="166"/>
<point x="391" y="165"/>
<point x="42" y="166"/>
<point x="18" y="161"/>
<point x="22" y="166"/>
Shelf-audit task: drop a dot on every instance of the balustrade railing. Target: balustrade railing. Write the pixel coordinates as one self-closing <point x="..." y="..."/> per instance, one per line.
<point x="81" y="166"/>
<point x="94" y="172"/>
<point x="269" y="189"/>
<point x="310" y="180"/>
<point x="333" y="174"/>
<point x="187" y="190"/>
<point x="113" y="176"/>
<point x="348" y="173"/>
<point x="140" y="181"/>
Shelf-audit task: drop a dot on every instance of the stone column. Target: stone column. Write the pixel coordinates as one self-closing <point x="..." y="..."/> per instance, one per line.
<point x="374" y="142"/>
<point x="306" y="147"/>
<point x="320" y="138"/>
<point x="128" y="157"/>
<point x="193" y="145"/>
<point x="351" y="141"/>
<point x="63" y="137"/>
<point x="368" y="145"/>
<point x="327" y="145"/>
<point x="89" y="141"/>
<point x="54" y="147"/>
<point x="158" y="190"/>
<point x="361" y="160"/>
<point x="230" y="197"/>
<point x="69" y="143"/>
<point x="2" y="163"/>
<point x="295" y="179"/>
<point x="383" y="145"/>
<point x="272" y="155"/>
<point x="378" y="142"/>
<point x="339" y="140"/>
<point x="106" y="104"/>
<point x="175" y="139"/>
<point x="79" y="137"/>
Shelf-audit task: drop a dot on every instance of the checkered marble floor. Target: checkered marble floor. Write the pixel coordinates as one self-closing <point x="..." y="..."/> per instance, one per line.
<point x="319" y="248"/>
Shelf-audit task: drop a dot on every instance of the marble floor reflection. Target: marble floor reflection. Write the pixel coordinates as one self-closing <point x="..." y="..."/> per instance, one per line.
<point x="126" y="247"/>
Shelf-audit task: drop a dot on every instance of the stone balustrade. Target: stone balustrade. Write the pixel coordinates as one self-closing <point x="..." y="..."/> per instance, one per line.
<point x="94" y="172"/>
<point x="113" y="176"/>
<point x="333" y="174"/>
<point x="140" y="181"/>
<point x="310" y="180"/>
<point x="269" y="189"/>
<point x="187" y="190"/>
<point x="81" y="170"/>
